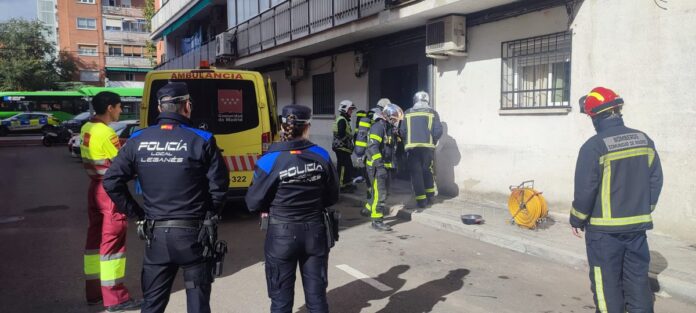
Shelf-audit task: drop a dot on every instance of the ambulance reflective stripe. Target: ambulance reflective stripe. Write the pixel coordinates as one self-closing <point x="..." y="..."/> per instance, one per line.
<point x="92" y="267"/>
<point x="241" y="163"/>
<point x="376" y="137"/>
<point x="606" y="160"/>
<point x="113" y="268"/>
<point x="599" y="290"/>
<point x="364" y="124"/>
<point x="360" y="143"/>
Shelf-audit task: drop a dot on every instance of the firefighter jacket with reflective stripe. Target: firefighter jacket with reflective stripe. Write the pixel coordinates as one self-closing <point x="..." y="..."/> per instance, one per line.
<point x="342" y="134"/>
<point x="294" y="181"/>
<point x="99" y="146"/>
<point x="618" y="179"/>
<point x="361" y="135"/>
<point x="420" y="128"/>
<point x="380" y="145"/>
<point x="180" y="169"/>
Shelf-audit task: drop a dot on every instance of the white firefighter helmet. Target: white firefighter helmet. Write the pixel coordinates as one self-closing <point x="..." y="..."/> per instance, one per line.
<point x="421" y="99"/>
<point x="392" y="113"/>
<point x="383" y="102"/>
<point x="346" y="105"/>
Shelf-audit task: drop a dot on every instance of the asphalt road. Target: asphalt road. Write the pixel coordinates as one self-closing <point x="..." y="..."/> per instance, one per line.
<point x="413" y="269"/>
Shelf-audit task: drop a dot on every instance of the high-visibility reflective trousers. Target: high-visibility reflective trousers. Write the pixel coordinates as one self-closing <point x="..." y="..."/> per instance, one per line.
<point x="619" y="271"/>
<point x="105" y="248"/>
<point x="420" y="166"/>
<point x="378" y="178"/>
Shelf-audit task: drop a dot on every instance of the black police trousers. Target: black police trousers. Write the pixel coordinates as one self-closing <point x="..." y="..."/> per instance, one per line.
<point x="288" y="245"/>
<point x="345" y="168"/>
<point x="420" y="162"/>
<point x="619" y="272"/>
<point x="171" y="248"/>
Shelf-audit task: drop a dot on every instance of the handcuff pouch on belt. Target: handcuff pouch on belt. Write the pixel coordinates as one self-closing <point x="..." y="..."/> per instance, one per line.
<point x="332" y="218"/>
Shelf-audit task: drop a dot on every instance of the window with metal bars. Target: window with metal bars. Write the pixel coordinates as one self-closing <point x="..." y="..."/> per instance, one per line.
<point x="323" y="94"/>
<point x="536" y="72"/>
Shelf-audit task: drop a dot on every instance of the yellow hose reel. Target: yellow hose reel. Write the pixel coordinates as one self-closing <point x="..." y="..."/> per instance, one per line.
<point x="526" y="205"/>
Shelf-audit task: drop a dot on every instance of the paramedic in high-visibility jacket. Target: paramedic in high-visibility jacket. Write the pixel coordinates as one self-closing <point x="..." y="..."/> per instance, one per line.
<point x="105" y="249"/>
<point x="420" y="130"/>
<point x="618" y="179"/>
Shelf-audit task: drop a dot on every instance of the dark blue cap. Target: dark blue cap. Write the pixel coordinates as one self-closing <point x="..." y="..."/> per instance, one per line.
<point x="173" y="91"/>
<point x="301" y="114"/>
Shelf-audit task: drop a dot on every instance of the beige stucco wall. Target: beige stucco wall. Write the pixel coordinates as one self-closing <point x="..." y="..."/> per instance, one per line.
<point x="636" y="48"/>
<point x="346" y="86"/>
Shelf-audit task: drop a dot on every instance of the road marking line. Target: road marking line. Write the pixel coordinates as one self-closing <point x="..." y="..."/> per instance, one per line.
<point x="367" y="279"/>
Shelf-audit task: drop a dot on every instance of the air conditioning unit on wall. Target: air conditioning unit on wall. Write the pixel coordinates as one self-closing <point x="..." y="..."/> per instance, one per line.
<point x="445" y="37"/>
<point x="224" y="46"/>
<point x="295" y="69"/>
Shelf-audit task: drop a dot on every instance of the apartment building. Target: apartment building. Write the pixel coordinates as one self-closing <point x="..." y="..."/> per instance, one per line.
<point x="504" y="75"/>
<point x="108" y="38"/>
<point x="46" y="14"/>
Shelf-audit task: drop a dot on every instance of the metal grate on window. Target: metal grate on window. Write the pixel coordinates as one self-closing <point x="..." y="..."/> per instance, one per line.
<point x="323" y="93"/>
<point x="535" y="72"/>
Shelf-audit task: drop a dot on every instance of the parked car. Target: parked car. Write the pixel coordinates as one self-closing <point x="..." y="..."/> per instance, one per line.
<point x="123" y="129"/>
<point x="27" y="122"/>
<point x="75" y="123"/>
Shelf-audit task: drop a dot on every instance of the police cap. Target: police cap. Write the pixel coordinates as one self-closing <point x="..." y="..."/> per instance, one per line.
<point x="173" y="92"/>
<point x="297" y="114"/>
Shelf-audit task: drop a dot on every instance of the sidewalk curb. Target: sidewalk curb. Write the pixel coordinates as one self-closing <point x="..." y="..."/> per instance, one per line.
<point x="672" y="285"/>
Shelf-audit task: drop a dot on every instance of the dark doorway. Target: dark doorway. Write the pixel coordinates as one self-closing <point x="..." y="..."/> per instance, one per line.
<point x="399" y="84"/>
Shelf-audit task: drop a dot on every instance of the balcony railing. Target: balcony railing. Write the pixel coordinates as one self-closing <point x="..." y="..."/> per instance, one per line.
<point x="192" y="59"/>
<point x="122" y="11"/>
<point x="119" y="61"/>
<point x="294" y="19"/>
<point x="167" y="12"/>
<point x="122" y="36"/>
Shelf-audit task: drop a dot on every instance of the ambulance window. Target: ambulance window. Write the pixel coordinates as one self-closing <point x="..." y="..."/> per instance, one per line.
<point x="221" y="106"/>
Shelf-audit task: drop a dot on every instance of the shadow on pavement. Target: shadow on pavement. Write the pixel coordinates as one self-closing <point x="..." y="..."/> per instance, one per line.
<point x="361" y="293"/>
<point x="424" y="297"/>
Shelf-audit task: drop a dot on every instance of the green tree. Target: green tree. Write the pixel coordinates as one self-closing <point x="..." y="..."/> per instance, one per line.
<point x="148" y="13"/>
<point x="26" y="56"/>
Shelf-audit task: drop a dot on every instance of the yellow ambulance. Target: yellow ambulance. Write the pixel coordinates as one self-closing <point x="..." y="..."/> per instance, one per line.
<point x="238" y="107"/>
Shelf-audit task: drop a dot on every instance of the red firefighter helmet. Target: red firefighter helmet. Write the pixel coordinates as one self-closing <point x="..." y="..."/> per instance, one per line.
<point x="600" y="100"/>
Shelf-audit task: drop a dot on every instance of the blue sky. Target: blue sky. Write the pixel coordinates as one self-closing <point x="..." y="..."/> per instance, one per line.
<point x="17" y="8"/>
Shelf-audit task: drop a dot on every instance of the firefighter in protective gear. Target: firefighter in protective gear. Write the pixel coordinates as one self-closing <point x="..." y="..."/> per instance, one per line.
<point x="618" y="179"/>
<point x="361" y="135"/>
<point x="105" y="249"/>
<point x="421" y="130"/>
<point x="343" y="145"/>
<point x="184" y="182"/>
<point x="293" y="183"/>
<point x="378" y="156"/>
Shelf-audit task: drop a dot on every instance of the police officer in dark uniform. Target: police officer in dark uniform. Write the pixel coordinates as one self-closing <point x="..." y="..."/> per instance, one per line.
<point x="421" y="130"/>
<point x="618" y="179"/>
<point x="293" y="183"/>
<point x="183" y="178"/>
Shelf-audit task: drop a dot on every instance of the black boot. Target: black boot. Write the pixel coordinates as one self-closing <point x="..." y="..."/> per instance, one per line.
<point x="421" y="203"/>
<point x="379" y="225"/>
<point x="430" y="200"/>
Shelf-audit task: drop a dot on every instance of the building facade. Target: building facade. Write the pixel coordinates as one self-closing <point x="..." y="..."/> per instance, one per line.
<point x="506" y="81"/>
<point x="107" y="37"/>
<point x="46" y="14"/>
